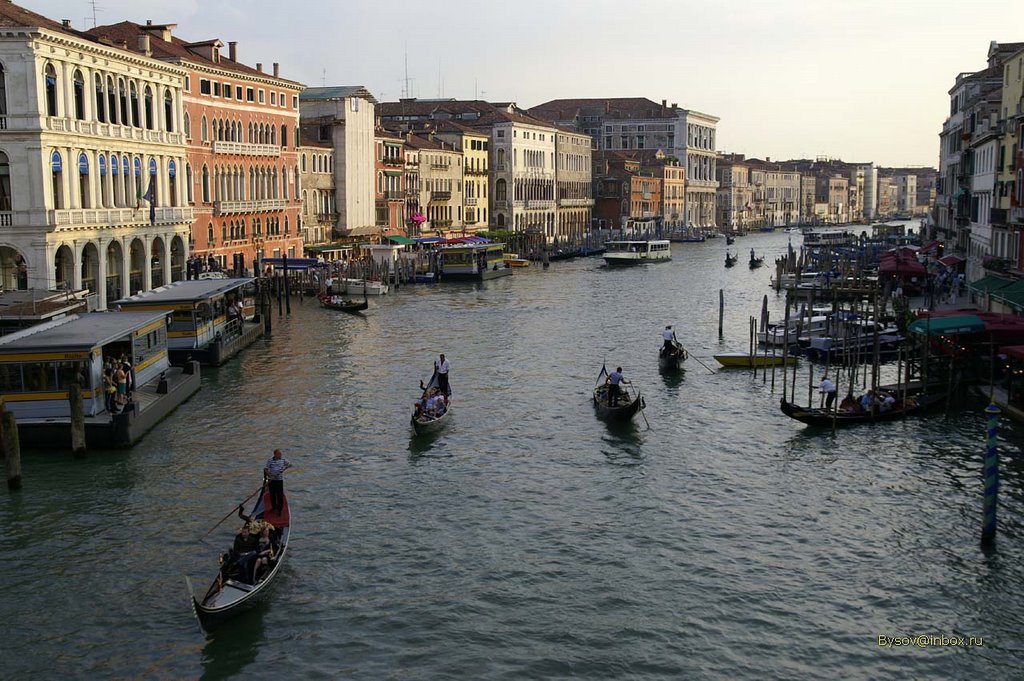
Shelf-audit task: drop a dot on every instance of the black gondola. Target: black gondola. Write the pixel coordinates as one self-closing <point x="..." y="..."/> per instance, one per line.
<point x="423" y="422"/>
<point x="343" y="304"/>
<point x="730" y="240"/>
<point x="754" y="260"/>
<point x="233" y="589"/>
<point x="824" y="417"/>
<point x="730" y="260"/>
<point x="622" y="411"/>
<point x="672" y="360"/>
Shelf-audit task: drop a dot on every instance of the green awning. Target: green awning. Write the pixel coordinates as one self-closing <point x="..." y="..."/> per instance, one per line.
<point x="394" y="173"/>
<point x="404" y="240"/>
<point x="988" y="284"/>
<point x="968" y="323"/>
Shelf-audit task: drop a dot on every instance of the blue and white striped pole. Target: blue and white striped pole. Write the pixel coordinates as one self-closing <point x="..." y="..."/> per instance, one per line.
<point x="988" y="523"/>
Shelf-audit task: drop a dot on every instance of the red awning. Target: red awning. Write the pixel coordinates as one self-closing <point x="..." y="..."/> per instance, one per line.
<point x="1014" y="351"/>
<point x="931" y="247"/>
<point x="951" y="260"/>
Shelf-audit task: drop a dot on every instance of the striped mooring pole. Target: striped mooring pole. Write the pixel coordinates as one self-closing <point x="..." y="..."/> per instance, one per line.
<point x="988" y="523"/>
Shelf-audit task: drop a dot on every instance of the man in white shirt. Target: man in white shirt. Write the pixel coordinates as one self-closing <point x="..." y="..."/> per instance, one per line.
<point x="670" y="339"/>
<point x="442" y="368"/>
<point x="828" y="388"/>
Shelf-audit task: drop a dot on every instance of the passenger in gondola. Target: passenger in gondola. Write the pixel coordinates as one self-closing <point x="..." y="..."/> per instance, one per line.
<point x="888" y="402"/>
<point x="849" y="404"/>
<point x="614" y="379"/>
<point x="264" y="552"/>
<point x="868" y="403"/>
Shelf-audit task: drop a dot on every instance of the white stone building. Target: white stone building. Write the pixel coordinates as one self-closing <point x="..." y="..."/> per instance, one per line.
<point x="91" y="141"/>
<point x="345" y="117"/>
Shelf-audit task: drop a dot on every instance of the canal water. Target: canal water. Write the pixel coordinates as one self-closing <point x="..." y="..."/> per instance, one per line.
<point x="528" y="540"/>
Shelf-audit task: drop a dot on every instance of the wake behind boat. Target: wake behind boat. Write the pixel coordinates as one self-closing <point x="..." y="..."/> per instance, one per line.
<point x="240" y="583"/>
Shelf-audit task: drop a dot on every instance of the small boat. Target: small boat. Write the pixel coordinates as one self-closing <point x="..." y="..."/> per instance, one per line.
<point x="622" y="411"/>
<point x="743" y="359"/>
<point x="513" y="260"/>
<point x="824" y="417"/>
<point x="342" y="304"/>
<point x="730" y="260"/>
<point x="672" y="360"/>
<point x="755" y="262"/>
<point x="431" y="422"/>
<point x="233" y="590"/>
<point x="354" y="287"/>
<point x="729" y="240"/>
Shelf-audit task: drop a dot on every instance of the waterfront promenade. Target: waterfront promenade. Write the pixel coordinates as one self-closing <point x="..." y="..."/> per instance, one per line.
<point x="528" y="540"/>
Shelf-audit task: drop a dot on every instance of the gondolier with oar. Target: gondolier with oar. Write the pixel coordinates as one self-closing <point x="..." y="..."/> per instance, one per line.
<point x="614" y="379"/>
<point x="274" y="472"/>
<point x="442" y="367"/>
<point x="669" y="336"/>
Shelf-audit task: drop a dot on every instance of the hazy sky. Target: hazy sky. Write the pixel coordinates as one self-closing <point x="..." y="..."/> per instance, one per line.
<point x="861" y="80"/>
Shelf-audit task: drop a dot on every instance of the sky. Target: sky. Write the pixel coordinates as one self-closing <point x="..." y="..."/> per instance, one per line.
<point x="857" y="80"/>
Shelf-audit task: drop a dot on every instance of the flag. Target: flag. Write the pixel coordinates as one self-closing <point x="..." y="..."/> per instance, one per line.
<point x="150" y="196"/>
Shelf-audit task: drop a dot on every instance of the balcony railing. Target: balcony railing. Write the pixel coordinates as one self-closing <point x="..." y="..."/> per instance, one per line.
<point x="114" y="217"/>
<point x="470" y="200"/>
<point x="111" y="131"/>
<point x="395" y="195"/>
<point x="440" y="196"/>
<point x="393" y="161"/>
<point x="501" y="204"/>
<point x="326" y="218"/>
<point x="439" y="166"/>
<point x="570" y="203"/>
<point x="246" y="149"/>
<point x="540" y="203"/>
<point x="441" y="223"/>
<point x="469" y="170"/>
<point x="233" y="207"/>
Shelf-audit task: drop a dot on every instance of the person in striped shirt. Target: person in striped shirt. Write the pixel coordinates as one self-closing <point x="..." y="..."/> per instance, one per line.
<point x="274" y="472"/>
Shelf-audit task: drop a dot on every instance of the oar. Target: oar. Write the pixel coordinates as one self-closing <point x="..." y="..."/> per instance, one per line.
<point x="639" y="397"/>
<point x="697" y="360"/>
<point x="233" y="511"/>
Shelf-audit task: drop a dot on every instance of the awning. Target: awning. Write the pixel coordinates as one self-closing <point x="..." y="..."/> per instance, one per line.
<point x="931" y="246"/>
<point x="404" y="240"/>
<point x="1013" y="351"/>
<point x="988" y="284"/>
<point x="429" y="239"/>
<point x="369" y="230"/>
<point x="951" y="260"/>
<point x="293" y="263"/>
<point x="945" y="326"/>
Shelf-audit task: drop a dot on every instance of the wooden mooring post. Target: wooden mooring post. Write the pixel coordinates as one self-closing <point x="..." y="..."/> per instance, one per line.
<point x="11" y="447"/>
<point x="77" y="405"/>
<point x="991" y="477"/>
<point x="721" y="311"/>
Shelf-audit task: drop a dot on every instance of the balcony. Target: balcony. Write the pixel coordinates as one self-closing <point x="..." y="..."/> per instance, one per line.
<point x="393" y="162"/>
<point x="501" y="204"/>
<point x="395" y="195"/>
<point x="118" y="217"/>
<point x="439" y="166"/>
<point x="474" y="171"/>
<point x="440" y="196"/>
<point x="441" y="223"/>
<point x="470" y="200"/>
<point x="235" y="207"/>
<point x="540" y="203"/>
<point x="573" y="203"/>
<point x="326" y="218"/>
<point x="244" y="149"/>
<point x="109" y="130"/>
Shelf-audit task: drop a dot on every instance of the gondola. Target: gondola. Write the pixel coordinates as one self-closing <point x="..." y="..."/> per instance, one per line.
<point x="729" y="240"/>
<point x="730" y="260"/>
<point x="423" y="423"/>
<point x="232" y="590"/>
<point x="623" y="411"/>
<point x="342" y="304"/>
<point x="824" y="417"/>
<point x="755" y="262"/>
<point x="672" y="360"/>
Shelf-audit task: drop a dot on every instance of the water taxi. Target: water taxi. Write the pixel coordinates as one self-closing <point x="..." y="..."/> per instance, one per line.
<point x="473" y="262"/>
<point x="513" y="260"/>
<point x="637" y="252"/>
<point x="201" y="326"/>
<point x="39" y="366"/>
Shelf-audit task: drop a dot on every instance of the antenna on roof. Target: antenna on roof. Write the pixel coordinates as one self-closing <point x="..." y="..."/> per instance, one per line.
<point x="95" y="7"/>
<point x="405" y="86"/>
<point x="323" y="79"/>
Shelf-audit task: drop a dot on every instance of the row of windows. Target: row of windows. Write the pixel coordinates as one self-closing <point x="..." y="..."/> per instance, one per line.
<point x="118" y="183"/>
<point x="232" y="131"/>
<point x="229" y="183"/>
<point x="115" y="101"/>
<point x="321" y="163"/>
<point x="234" y="91"/>
<point x="27" y="377"/>
<point x="237" y="230"/>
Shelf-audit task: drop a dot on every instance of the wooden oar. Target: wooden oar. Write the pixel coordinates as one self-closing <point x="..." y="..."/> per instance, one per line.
<point x="234" y="510"/>
<point x="697" y="360"/>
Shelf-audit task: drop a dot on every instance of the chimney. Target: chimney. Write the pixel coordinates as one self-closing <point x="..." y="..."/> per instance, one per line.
<point x="144" y="45"/>
<point x="149" y="22"/>
<point x="233" y="50"/>
<point x="259" y="66"/>
<point x="674" y="105"/>
<point x="277" y="69"/>
<point x="664" y="103"/>
<point x="66" y="23"/>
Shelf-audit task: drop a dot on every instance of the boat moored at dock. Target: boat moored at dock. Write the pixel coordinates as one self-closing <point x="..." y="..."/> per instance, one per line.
<point x="637" y="252"/>
<point x="473" y="262"/>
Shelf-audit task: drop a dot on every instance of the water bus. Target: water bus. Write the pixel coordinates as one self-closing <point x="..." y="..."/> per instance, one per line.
<point x="637" y="252"/>
<point x="473" y="262"/>
<point x="201" y="326"/>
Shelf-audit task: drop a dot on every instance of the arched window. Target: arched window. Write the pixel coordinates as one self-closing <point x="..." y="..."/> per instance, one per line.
<point x="284" y="183"/>
<point x="286" y="225"/>
<point x="172" y="182"/>
<point x="501" y="157"/>
<point x="298" y="181"/>
<point x="57" y="180"/>
<point x="5" y="183"/>
<point x="204" y="131"/>
<point x="3" y="91"/>
<point x="206" y="184"/>
<point x="79" y="92"/>
<point x="126" y="179"/>
<point x="188" y="184"/>
<point x="101" y="105"/>
<point x="209" y="234"/>
<point x="188" y="126"/>
<point x="111" y="100"/>
<point x="168" y="111"/>
<point x="284" y="136"/>
<point x="500" y="189"/>
<point x="50" y="76"/>
<point x="147" y="107"/>
<point x="83" y="181"/>
<point x="101" y="196"/>
<point x="115" y="181"/>
<point x="303" y="163"/>
<point x="273" y="134"/>
<point x="138" y="181"/>
<point x="133" y="98"/>
<point x="122" y="98"/>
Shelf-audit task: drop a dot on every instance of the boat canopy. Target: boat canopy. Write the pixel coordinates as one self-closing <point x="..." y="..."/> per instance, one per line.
<point x="944" y="326"/>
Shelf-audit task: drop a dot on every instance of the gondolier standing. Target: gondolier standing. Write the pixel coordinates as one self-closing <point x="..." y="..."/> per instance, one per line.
<point x="614" y="379"/>
<point x="670" y="339"/>
<point x="274" y="472"/>
<point x="828" y="388"/>
<point x="442" y="368"/>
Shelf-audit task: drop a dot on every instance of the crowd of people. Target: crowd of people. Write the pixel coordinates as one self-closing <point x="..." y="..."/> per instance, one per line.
<point x="118" y="383"/>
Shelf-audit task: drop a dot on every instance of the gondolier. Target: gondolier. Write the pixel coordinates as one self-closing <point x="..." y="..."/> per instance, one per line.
<point x="828" y="389"/>
<point x="442" y="368"/>
<point x="669" y="336"/>
<point x="614" y="379"/>
<point x="274" y="472"/>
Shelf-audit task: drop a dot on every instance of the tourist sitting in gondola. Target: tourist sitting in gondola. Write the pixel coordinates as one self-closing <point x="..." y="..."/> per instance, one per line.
<point x="849" y="404"/>
<point x="264" y="553"/>
<point x="887" y="403"/>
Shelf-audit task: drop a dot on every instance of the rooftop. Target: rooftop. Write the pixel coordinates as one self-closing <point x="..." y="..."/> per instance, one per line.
<point x="78" y="332"/>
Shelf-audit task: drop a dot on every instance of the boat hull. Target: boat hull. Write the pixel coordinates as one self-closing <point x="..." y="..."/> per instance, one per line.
<point x="343" y="305"/>
<point x="826" y="418"/>
<point x="433" y="425"/>
<point x="743" y="359"/>
<point x="620" y="412"/>
<point x="672" y="361"/>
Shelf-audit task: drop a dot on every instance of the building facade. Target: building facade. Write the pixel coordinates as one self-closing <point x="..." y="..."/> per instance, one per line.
<point x="474" y="145"/>
<point x="319" y="213"/>
<point x="390" y="183"/>
<point x="91" y="173"/>
<point x="344" y="117"/>
<point x="574" y="180"/>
